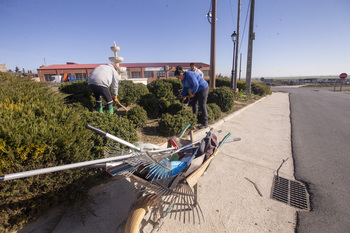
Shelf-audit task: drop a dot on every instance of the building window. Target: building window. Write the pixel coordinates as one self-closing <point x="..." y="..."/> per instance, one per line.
<point x="49" y="77"/>
<point x="135" y="74"/>
<point x="80" y="76"/>
<point x="161" y="73"/>
<point x="206" y="73"/>
<point x="149" y="74"/>
<point x="171" y="73"/>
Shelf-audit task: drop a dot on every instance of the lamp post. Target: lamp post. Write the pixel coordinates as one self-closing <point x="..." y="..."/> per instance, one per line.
<point x="233" y="37"/>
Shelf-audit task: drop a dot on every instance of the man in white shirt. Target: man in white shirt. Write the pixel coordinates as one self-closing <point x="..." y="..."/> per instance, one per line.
<point x="99" y="81"/>
<point x="195" y="69"/>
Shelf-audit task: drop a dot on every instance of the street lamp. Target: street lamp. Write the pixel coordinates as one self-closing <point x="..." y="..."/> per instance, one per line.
<point x="234" y="38"/>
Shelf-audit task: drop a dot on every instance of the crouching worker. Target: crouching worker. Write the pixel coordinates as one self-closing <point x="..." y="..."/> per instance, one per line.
<point x="198" y="90"/>
<point x="100" y="80"/>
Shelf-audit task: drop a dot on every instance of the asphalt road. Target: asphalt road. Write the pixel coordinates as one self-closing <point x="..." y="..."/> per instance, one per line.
<point x="320" y="121"/>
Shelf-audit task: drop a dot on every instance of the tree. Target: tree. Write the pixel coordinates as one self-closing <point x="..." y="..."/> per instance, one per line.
<point x="17" y="69"/>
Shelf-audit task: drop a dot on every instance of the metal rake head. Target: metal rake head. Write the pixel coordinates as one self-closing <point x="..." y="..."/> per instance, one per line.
<point x="154" y="165"/>
<point x="179" y="202"/>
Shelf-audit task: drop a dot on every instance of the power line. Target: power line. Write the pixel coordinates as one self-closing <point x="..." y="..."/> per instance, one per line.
<point x="245" y="23"/>
<point x="233" y="21"/>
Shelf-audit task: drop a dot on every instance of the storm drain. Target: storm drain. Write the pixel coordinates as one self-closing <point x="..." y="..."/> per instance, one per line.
<point x="290" y="192"/>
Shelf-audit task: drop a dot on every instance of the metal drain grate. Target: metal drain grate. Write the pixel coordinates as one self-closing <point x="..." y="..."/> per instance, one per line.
<point x="290" y="192"/>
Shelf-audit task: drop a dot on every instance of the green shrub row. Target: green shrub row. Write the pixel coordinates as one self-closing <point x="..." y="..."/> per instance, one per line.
<point x="39" y="130"/>
<point x="214" y="113"/>
<point x="223" y="96"/>
<point x="138" y="116"/>
<point x="150" y="103"/>
<point x="226" y="82"/>
<point x="130" y="93"/>
<point x="161" y="89"/>
<point x="79" y="94"/>
<point x="260" y="89"/>
<point x="170" y="125"/>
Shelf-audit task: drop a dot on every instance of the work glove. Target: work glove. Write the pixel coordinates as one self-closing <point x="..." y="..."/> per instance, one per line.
<point x="179" y="97"/>
<point x="116" y="99"/>
<point x="191" y="95"/>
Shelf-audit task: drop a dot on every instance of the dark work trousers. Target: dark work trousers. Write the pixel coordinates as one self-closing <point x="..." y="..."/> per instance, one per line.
<point x="101" y="91"/>
<point x="200" y="100"/>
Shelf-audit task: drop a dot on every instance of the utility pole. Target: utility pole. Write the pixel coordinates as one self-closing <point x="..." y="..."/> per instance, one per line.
<point x="212" y="45"/>
<point x="237" y="50"/>
<point x="250" y="47"/>
<point x="240" y="66"/>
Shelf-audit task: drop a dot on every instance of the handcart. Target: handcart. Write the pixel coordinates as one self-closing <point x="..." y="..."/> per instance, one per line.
<point x="176" y="196"/>
<point x="164" y="190"/>
<point x="165" y="178"/>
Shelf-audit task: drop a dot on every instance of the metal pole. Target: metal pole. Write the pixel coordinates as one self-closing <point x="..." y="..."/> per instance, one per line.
<point x="61" y="168"/>
<point x="240" y="66"/>
<point x="341" y="85"/>
<point x="232" y="84"/>
<point x="238" y="24"/>
<point x="212" y="46"/>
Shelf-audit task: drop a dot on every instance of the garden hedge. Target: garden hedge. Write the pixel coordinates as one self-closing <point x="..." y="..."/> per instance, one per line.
<point x="161" y="89"/>
<point x="150" y="103"/>
<point x="39" y="130"/>
<point x="223" y="96"/>
<point x="138" y="116"/>
<point x="130" y="93"/>
<point x="79" y="94"/>
<point x="176" y="85"/>
<point x="170" y="125"/>
<point x="214" y="113"/>
<point x="260" y="89"/>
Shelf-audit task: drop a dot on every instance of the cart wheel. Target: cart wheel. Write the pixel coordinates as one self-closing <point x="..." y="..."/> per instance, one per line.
<point x="134" y="220"/>
<point x="133" y="223"/>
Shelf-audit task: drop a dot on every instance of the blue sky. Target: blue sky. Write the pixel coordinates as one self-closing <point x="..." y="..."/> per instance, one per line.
<point x="293" y="38"/>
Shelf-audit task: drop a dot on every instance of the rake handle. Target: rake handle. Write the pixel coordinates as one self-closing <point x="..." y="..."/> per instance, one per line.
<point x="96" y="130"/>
<point x="110" y="136"/>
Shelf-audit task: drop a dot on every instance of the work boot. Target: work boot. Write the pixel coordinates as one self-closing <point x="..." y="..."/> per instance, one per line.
<point x="203" y="126"/>
<point x="110" y="108"/>
<point x="99" y="107"/>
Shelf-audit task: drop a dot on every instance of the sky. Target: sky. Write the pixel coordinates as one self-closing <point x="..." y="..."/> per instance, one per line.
<point x="292" y="38"/>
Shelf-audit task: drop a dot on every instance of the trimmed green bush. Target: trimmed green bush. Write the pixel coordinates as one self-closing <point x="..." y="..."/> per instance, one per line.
<point x="80" y="94"/>
<point x="129" y="92"/>
<point x="223" y="97"/>
<point x="138" y="116"/>
<point x="214" y="113"/>
<point x="260" y="89"/>
<point x="161" y="89"/>
<point x="164" y="105"/>
<point x="119" y="126"/>
<point x="176" y="85"/>
<point x="38" y="130"/>
<point x="170" y="125"/>
<point x="171" y="106"/>
<point x="222" y="82"/>
<point x="150" y="103"/>
<point x="175" y="107"/>
<point x="241" y="85"/>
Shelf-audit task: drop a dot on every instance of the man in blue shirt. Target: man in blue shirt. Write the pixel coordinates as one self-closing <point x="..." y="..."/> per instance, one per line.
<point x="198" y="89"/>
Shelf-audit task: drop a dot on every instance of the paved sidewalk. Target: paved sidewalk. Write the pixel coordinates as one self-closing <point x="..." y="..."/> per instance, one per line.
<point x="229" y="201"/>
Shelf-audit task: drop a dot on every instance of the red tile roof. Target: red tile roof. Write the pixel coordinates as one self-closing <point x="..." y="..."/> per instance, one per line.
<point x="127" y="65"/>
